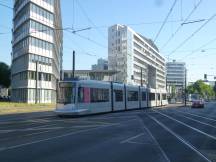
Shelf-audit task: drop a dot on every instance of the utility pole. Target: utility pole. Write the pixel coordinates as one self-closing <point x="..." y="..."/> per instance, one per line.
<point x="141" y="77"/>
<point x="73" y="66"/>
<point x="36" y="84"/>
<point x="185" y="102"/>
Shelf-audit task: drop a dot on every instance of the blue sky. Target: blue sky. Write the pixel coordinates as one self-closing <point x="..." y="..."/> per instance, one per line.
<point x="144" y="16"/>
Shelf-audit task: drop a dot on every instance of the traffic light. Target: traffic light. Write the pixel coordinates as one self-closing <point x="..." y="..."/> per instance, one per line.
<point x="205" y="76"/>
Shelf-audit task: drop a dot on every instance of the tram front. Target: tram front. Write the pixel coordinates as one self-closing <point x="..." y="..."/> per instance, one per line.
<point x="66" y="98"/>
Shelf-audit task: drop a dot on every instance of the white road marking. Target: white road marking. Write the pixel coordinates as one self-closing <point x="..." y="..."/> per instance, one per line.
<point x="197" y="121"/>
<point x="89" y="122"/>
<point x="38" y="120"/>
<point x="180" y="138"/>
<point x="26" y="129"/>
<point x="142" y="143"/>
<point x="195" y="129"/>
<point x="131" y="138"/>
<point x="52" y="138"/>
<point x="156" y="142"/>
<point x="204" y="117"/>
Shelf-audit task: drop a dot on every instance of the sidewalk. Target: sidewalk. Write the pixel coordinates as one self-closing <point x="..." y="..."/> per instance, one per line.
<point x="177" y="105"/>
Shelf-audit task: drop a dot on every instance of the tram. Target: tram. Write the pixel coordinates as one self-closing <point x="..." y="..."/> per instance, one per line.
<point x="82" y="97"/>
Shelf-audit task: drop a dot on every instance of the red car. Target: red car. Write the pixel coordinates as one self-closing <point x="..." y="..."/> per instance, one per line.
<point x="198" y="103"/>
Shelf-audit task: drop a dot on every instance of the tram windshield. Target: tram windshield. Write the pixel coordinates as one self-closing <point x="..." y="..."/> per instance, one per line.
<point x="66" y="93"/>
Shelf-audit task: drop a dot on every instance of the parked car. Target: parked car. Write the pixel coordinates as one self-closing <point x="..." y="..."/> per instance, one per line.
<point x="199" y="103"/>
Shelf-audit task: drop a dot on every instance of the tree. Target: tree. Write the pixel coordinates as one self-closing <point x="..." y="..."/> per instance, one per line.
<point x="214" y="88"/>
<point x="4" y="75"/>
<point x="190" y="89"/>
<point x="199" y="87"/>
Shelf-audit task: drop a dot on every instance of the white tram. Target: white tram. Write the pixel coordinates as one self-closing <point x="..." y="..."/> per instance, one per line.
<point x="84" y="97"/>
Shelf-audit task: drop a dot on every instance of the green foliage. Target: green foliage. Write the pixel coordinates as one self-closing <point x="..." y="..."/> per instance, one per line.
<point x="214" y="88"/>
<point x="201" y="88"/>
<point x="4" y="74"/>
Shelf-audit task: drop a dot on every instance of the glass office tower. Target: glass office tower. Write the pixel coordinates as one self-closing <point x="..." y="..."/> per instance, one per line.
<point x="36" y="50"/>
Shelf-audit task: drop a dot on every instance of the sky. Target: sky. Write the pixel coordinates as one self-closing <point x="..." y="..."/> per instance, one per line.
<point x="194" y="43"/>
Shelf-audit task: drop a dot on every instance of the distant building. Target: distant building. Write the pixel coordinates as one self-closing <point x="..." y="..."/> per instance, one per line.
<point x="102" y="64"/>
<point x="102" y="75"/>
<point x="36" y="50"/>
<point x="176" y="77"/>
<point x="129" y="52"/>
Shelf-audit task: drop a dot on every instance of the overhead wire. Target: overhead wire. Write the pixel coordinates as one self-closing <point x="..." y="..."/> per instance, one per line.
<point x="180" y="26"/>
<point x="4" y="5"/>
<point x="199" y="48"/>
<point x="88" y="18"/>
<point x="165" y="20"/>
<point x="82" y="49"/>
<point x="193" y="34"/>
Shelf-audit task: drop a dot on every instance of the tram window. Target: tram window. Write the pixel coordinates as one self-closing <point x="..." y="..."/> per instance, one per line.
<point x="118" y="95"/>
<point x="152" y="96"/>
<point x="80" y="94"/>
<point x="84" y="94"/>
<point x="132" y="96"/>
<point x="99" y="95"/>
<point x="143" y="96"/>
<point x="163" y="96"/>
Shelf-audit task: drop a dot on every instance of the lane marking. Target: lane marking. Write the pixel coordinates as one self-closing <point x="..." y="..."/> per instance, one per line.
<point x="156" y="142"/>
<point x="26" y="129"/>
<point x="131" y="138"/>
<point x="180" y="138"/>
<point x="195" y="120"/>
<point x="204" y="117"/>
<point x="21" y="119"/>
<point x="195" y="129"/>
<point x="29" y="129"/>
<point x="89" y="122"/>
<point x="52" y="138"/>
<point x="142" y="143"/>
<point x="39" y="120"/>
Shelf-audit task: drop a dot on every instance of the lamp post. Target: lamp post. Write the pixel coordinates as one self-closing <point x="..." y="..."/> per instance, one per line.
<point x="73" y="66"/>
<point x="36" y="83"/>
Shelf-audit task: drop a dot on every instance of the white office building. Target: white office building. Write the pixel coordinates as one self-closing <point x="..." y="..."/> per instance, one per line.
<point x="176" y="76"/>
<point x="37" y="50"/>
<point x="130" y="53"/>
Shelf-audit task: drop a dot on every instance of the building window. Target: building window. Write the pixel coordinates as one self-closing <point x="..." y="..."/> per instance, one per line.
<point x="132" y="96"/>
<point x="41" y="12"/>
<point x="38" y="27"/>
<point x="118" y="95"/>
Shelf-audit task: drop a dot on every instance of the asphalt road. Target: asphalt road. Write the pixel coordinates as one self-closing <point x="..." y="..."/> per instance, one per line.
<point x="177" y="134"/>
